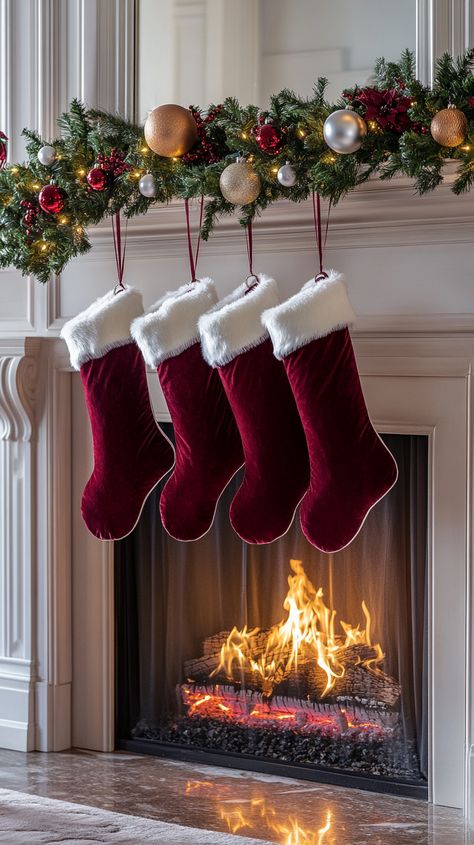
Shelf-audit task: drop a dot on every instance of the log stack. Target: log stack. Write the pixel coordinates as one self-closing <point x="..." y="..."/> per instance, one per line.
<point x="359" y="681"/>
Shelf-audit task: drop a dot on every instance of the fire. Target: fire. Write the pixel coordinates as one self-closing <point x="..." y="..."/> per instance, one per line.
<point x="308" y="632"/>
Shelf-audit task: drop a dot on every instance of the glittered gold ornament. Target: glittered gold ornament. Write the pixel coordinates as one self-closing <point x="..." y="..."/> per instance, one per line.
<point x="449" y="127"/>
<point x="239" y="183"/>
<point x="170" y="130"/>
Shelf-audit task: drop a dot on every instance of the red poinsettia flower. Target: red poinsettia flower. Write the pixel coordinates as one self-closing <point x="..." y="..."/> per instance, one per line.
<point x="387" y="107"/>
<point x="471" y="102"/>
<point x="3" y="149"/>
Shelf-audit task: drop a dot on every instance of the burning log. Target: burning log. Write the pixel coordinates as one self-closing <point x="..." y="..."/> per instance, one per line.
<point x="306" y="678"/>
<point x="360" y="682"/>
<point x="301" y="657"/>
<point x="203" y="667"/>
<point x="212" y="645"/>
<point x="251" y="708"/>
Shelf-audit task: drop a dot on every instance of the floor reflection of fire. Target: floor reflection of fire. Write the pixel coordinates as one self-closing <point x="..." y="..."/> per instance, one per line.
<point x="261" y="816"/>
<point x="305" y="671"/>
<point x="290" y="831"/>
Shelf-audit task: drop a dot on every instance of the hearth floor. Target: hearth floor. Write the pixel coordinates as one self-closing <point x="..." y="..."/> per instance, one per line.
<point x="273" y="809"/>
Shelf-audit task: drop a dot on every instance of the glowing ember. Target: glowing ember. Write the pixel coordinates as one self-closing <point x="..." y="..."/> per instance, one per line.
<point x="308" y="633"/>
<point x="252" y="710"/>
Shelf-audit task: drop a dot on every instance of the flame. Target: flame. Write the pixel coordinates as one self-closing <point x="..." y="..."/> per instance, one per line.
<point x="308" y="631"/>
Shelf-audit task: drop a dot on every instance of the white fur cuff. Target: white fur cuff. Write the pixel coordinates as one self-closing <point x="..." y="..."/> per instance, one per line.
<point x="171" y="325"/>
<point x="102" y="326"/>
<point x="234" y="324"/>
<point x="318" y="309"/>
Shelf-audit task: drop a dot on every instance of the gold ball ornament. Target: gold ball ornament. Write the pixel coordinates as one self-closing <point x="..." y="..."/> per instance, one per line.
<point x="449" y="127"/>
<point x="239" y="183"/>
<point x="170" y="130"/>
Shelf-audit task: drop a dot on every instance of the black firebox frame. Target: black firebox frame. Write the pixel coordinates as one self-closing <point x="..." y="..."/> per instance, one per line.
<point x="265" y="765"/>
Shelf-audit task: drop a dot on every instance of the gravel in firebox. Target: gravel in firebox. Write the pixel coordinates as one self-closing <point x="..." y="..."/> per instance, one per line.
<point x="354" y="751"/>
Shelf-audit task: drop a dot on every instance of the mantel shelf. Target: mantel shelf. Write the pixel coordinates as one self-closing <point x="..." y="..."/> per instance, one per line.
<point x="377" y="213"/>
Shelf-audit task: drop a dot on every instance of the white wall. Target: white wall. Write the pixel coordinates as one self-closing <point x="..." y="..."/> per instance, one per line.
<point x="254" y="48"/>
<point x="340" y="40"/>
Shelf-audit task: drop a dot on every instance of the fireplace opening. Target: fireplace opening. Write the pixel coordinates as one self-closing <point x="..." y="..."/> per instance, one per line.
<point x="281" y="658"/>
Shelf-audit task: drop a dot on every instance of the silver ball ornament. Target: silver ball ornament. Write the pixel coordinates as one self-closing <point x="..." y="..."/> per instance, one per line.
<point x="287" y="175"/>
<point x="46" y="155"/>
<point x="147" y="185"/>
<point x="344" y="130"/>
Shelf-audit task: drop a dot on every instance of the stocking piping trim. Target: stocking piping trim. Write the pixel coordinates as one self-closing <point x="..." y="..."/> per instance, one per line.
<point x="341" y="548"/>
<point x="315" y="311"/>
<point x="155" y="485"/>
<point x="234" y="326"/>
<point x="193" y="539"/>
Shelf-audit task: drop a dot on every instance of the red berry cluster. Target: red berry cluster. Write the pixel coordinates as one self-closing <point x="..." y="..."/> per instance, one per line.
<point x="30" y="216"/>
<point x="114" y="164"/>
<point x="206" y="150"/>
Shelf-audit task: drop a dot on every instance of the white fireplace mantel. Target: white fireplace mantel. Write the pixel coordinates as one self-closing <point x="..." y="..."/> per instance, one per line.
<point x="414" y="382"/>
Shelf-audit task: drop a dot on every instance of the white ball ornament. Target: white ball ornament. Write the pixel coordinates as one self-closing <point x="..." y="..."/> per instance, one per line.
<point x="147" y="185"/>
<point x="344" y="130"/>
<point x="46" y="155"/>
<point x="287" y="175"/>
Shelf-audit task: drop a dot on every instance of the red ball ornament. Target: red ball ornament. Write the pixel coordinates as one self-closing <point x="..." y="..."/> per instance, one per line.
<point x="51" y="199"/>
<point x="269" y="138"/>
<point x="97" y="179"/>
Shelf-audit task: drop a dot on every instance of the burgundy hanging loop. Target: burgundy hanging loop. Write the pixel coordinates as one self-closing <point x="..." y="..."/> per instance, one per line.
<point x="251" y="280"/>
<point x="193" y="258"/>
<point x="120" y="248"/>
<point x="321" y="243"/>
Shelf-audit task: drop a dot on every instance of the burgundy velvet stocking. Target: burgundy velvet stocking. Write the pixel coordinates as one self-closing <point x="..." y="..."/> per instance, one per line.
<point x="351" y="468"/>
<point x="131" y="454"/>
<point x="276" y="459"/>
<point x="208" y="446"/>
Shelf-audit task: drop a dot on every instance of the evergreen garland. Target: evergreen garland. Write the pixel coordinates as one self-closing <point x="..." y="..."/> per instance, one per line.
<point x="41" y="244"/>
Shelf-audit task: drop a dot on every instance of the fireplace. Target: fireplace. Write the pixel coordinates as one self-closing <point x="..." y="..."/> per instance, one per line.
<point x="280" y="658"/>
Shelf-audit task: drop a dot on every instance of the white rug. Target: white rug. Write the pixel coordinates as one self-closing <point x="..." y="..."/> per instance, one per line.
<point x="31" y="820"/>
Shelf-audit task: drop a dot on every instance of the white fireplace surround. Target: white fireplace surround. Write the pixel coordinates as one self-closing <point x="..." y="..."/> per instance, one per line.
<point x="408" y="262"/>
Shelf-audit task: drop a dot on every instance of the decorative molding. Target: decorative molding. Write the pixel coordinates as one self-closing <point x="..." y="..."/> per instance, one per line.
<point x="18" y="370"/>
<point x="53" y="579"/>
<point x="442" y="26"/>
<point x="93" y="655"/>
<point x="377" y="214"/>
<point x="115" y="54"/>
<point x="17" y="393"/>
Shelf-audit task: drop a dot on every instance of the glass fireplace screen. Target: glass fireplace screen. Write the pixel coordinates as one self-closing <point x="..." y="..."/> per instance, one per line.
<point x="281" y="653"/>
